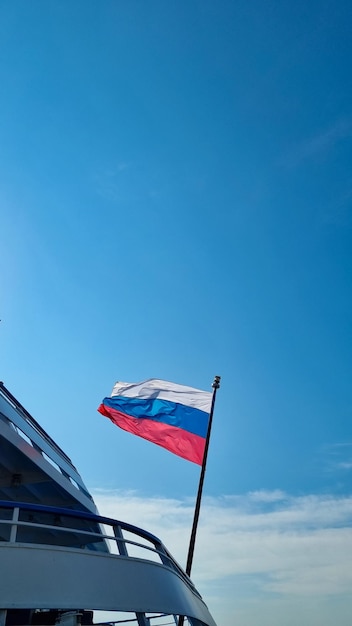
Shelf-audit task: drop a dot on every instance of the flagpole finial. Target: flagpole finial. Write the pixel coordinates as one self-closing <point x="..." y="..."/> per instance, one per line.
<point x="216" y="382"/>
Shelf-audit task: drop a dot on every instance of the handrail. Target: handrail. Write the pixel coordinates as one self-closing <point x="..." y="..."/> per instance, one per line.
<point x="5" y="504"/>
<point x="117" y="525"/>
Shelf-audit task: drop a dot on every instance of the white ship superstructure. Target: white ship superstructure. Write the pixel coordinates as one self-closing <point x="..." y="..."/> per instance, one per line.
<point x="60" y="562"/>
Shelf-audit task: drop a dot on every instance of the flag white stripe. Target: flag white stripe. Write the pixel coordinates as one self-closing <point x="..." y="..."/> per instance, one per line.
<point x="164" y="390"/>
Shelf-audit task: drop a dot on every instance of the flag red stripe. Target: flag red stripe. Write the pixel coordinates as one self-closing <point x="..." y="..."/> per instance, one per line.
<point x="176" y="440"/>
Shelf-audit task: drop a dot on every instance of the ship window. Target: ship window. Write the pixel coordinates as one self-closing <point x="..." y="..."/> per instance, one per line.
<point x="5" y="531"/>
<point x="47" y="458"/>
<point x="24" y="436"/>
<point x="61" y="530"/>
<point x="74" y="482"/>
<point x="6" y="513"/>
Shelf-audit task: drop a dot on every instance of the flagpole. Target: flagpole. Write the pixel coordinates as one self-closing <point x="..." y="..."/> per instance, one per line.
<point x="215" y="386"/>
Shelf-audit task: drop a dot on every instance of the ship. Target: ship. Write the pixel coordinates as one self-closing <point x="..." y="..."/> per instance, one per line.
<point x="61" y="563"/>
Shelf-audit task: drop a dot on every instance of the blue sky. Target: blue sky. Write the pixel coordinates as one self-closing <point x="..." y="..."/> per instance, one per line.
<point x="175" y="202"/>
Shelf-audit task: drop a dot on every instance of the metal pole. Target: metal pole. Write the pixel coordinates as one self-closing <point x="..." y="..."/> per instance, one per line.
<point x="215" y="385"/>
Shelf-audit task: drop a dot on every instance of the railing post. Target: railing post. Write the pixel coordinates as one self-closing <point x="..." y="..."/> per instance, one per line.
<point x="15" y="516"/>
<point x="3" y="613"/>
<point x="165" y="559"/>
<point x="142" y="619"/>
<point x="120" y="541"/>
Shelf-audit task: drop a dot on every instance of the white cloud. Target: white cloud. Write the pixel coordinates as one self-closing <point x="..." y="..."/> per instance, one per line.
<point x="339" y="456"/>
<point x="252" y="546"/>
<point x="267" y="496"/>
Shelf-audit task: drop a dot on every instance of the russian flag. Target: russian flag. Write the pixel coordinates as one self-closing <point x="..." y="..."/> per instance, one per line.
<point x="173" y="416"/>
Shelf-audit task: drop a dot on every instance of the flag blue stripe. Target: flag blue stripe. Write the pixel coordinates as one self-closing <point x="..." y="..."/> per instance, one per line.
<point x="188" y="418"/>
